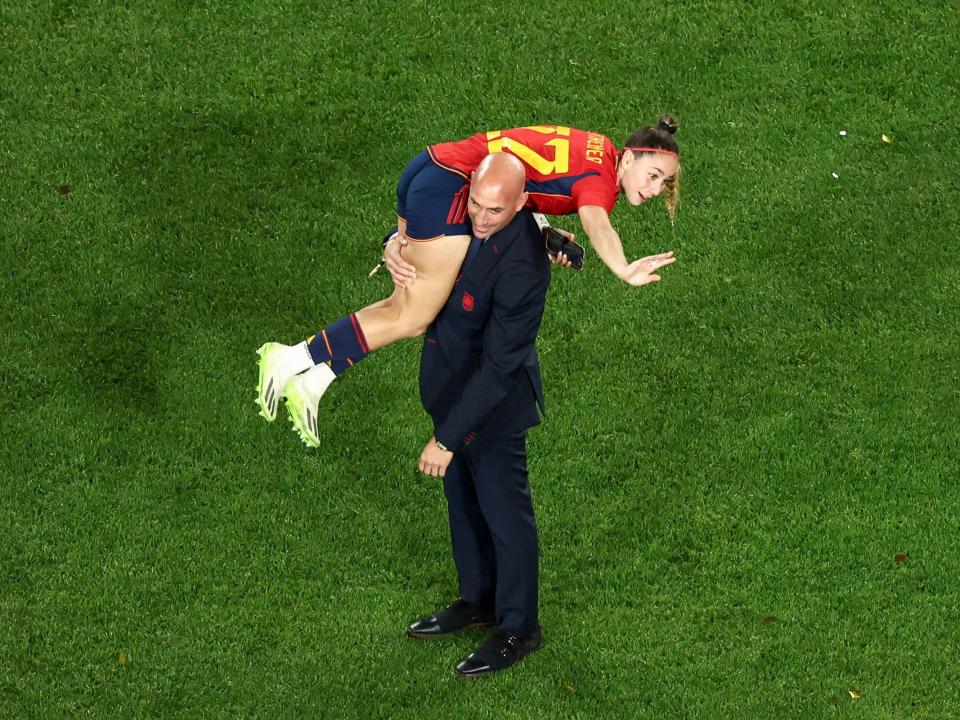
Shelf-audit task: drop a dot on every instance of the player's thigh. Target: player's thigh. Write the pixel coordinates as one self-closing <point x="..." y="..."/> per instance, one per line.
<point x="412" y="308"/>
<point x="438" y="259"/>
<point x="438" y="264"/>
<point x="432" y="216"/>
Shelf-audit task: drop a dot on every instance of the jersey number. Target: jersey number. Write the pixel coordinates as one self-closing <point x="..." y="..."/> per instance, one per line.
<point x="545" y="166"/>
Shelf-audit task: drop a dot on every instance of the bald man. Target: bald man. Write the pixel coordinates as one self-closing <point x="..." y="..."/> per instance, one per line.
<point x="437" y="208"/>
<point x="480" y="383"/>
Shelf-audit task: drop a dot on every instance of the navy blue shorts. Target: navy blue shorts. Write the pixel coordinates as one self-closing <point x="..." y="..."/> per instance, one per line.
<point x="432" y="200"/>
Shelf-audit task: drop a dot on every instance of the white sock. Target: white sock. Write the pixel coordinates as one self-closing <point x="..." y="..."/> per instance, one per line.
<point x="300" y="357"/>
<point x="319" y="377"/>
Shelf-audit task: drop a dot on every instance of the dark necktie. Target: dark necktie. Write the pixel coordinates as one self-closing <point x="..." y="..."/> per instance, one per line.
<point x="475" y="244"/>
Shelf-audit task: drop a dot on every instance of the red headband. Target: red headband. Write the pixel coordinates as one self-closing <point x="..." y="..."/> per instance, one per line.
<point x="655" y="150"/>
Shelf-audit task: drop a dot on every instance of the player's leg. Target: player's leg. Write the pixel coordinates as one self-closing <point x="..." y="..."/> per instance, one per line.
<point x="406" y="313"/>
<point x="432" y="212"/>
<point x="429" y="197"/>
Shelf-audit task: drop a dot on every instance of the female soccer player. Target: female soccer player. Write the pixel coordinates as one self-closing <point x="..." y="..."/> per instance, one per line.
<point x="568" y="170"/>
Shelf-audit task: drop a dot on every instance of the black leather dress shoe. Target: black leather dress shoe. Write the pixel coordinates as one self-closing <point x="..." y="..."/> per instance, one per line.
<point x="459" y="616"/>
<point x="500" y="651"/>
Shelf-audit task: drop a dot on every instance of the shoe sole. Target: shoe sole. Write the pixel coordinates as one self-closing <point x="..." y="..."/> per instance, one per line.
<point x="266" y="396"/>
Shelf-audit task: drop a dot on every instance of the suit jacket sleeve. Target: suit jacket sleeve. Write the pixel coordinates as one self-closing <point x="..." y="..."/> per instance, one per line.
<point x="511" y="331"/>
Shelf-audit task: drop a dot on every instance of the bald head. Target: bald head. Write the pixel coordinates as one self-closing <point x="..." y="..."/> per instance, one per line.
<point x="501" y="170"/>
<point x="496" y="193"/>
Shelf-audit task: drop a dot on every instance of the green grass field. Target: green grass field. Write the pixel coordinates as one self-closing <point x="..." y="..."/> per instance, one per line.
<point x="746" y="485"/>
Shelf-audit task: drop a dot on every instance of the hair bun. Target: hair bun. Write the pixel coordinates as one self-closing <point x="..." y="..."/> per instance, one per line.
<point x="667" y="123"/>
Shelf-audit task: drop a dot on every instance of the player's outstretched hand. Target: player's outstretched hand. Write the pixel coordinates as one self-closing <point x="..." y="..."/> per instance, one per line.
<point x="401" y="271"/>
<point x="643" y="271"/>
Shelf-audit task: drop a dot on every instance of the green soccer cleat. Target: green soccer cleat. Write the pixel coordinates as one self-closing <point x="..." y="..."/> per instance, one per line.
<point x="303" y="394"/>
<point x="278" y="364"/>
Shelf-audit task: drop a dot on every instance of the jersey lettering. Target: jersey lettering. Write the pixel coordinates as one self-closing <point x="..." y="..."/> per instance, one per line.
<point x="595" y="148"/>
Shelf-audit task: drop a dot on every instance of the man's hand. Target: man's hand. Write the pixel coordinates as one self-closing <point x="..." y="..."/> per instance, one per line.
<point x="642" y="271"/>
<point x="561" y="258"/>
<point x="402" y="272"/>
<point x="433" y="460"/>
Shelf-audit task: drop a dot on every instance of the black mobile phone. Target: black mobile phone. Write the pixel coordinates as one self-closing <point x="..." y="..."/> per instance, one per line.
<point x="557" y="243"/>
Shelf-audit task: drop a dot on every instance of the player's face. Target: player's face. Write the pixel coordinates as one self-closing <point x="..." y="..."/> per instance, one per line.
<point x="644" y="175"/>
<point x="491" y="208"/>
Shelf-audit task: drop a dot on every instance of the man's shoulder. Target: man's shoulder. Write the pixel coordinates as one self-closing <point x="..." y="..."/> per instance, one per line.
<point x="525" y="242"/>
<point x="525" y="266"/>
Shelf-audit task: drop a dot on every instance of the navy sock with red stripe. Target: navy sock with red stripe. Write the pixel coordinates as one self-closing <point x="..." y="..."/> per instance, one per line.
<point x="341" y="344"/>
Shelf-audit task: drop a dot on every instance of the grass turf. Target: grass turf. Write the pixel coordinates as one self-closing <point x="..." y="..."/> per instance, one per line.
<point x="746" y="484"/>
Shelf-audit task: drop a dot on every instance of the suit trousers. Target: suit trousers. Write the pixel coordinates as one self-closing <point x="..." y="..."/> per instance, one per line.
<point x="493" y="530"/>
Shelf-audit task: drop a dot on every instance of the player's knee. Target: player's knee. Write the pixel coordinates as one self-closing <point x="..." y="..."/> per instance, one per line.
<point x="419" y="329"/>
<point x="411" y="327"/>
<point x="392" y="307"/>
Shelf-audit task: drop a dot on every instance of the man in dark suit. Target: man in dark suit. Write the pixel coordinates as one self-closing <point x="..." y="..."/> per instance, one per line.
<point x="480" y="382"/>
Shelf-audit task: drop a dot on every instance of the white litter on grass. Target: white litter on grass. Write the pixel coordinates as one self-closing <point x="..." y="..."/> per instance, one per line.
<point x="835" y="175"/>
<point x="843" y="133"/>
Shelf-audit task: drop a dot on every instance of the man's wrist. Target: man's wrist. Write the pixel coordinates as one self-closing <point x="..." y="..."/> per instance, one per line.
<point x="441" y="445"/>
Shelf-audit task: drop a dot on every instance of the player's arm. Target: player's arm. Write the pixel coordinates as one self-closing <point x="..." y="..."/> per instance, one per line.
<point x="606" y="243"/>
<point x="604" y="238"/>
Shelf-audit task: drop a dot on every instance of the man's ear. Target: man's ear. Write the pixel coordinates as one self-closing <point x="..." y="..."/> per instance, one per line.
<point x="522" y="200"/>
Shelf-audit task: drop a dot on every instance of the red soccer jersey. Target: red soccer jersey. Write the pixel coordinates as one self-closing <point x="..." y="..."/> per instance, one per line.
<point x="566" y="168"/>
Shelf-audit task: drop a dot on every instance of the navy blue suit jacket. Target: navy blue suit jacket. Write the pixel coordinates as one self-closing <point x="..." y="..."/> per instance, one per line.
<point x="479" y="371"/>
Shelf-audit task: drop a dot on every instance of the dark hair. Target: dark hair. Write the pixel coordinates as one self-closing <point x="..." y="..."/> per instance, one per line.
<point x="659" y="136"/>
